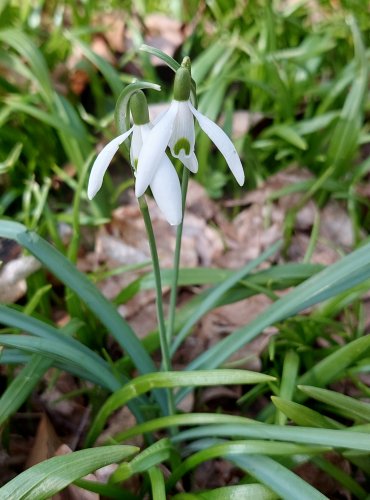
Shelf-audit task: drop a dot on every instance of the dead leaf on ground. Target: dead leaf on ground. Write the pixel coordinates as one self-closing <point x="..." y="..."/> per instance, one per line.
<point x="120" y="421"/>
<point x="261" y="224"/>
<point x="115" y="29"/>
<point x="336" y="226"/>
<point x="163" y="33"/>
<point x="323" y="481"/>
<point x="46" y="443"/>
<point x="68" y="414"/>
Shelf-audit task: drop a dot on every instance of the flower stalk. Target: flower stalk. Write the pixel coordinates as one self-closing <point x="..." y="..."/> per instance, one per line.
<point x="176" y="261"/>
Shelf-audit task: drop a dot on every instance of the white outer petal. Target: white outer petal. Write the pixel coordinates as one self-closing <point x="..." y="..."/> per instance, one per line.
<point x="223" y="143"/>
<point x="102" y="163"/>
<point x="166" y="190"/>
<point x="153" y="149"/>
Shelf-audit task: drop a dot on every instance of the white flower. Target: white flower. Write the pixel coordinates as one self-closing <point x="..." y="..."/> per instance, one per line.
<point x="176" y="130"/>
<point x="164" y="182"/>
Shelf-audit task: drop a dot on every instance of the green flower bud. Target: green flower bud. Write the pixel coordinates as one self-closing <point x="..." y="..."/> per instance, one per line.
<point x="139" y="108"/>
<point x="182" y="84"/>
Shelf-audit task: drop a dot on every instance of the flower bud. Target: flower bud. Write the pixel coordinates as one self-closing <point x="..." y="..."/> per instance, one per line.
<point x="139" y="108"/>
<point x="182" y="84"/>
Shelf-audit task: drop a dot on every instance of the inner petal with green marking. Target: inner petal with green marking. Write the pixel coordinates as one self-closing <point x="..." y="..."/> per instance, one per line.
<point x="184" y="144"/>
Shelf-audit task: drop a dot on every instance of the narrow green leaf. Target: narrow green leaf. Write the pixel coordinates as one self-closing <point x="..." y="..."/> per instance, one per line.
<point x="242" y="491"/>
<point x="345" y="138"/>
<point x="312" y="436"/>
<point x="353" y="408"/>
<point x="145" y="383"/>
<point x="228" y="449"/>
<point x="174" y="65"/>
<point x="69" y="354"/>
<point x="206" y="60"/>
<point x="154" y="454"/>
<point x="288" y="381"/>
<point x="289" y="135"/>
<point x="334" y="365"/>
<point x="47" y="478"/>
<point x="277" y="477"/>
<point x="315" y="124"/>
<point x="179" y="420"/>
<point x="20" y="104"/>
<point x="22" y="386"/>
<point x="274" y="278"/>
<point x="304" y="416"/>
<point x="157" y="483"/>
<point x="25" y="46"/>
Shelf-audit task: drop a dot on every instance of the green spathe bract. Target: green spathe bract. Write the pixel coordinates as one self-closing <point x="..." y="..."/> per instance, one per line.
<point x="182" y="85"/>
<point x="139" y="108"/>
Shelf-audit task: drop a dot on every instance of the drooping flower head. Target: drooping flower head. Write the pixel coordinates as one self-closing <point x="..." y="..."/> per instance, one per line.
<point x="176" y="130"/>
<point x="164" y="182"/>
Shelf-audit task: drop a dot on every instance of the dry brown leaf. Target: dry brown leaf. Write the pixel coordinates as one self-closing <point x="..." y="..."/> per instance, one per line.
<point x="242" y="122"/>
<point x="321" y="480"/>
<point x="323" y="254"/>
<point x="69" y="415"/>
<point x="210" y="394"/>
<point x="261" y="223"/>
<point x="100" y="47"/>
<point x="142" y="313"/>
<point x="199" y="203"/>
<point x="114" y="22"/>
<point x="336" y="226"/>
<point x="163" y="33"/>
<point x="120" y="421"/>
<point x="46" y="443"/>
<point x="9" y="250"/>
<point x="224" y="320"/>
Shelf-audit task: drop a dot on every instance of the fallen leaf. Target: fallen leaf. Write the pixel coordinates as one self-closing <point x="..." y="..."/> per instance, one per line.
<point x="163" y="33"/>
<point x="46" y="443"/>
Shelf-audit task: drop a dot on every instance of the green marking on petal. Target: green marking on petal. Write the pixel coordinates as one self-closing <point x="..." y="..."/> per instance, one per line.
<point x="182" y="144"/>
<point x="135" y="163"/>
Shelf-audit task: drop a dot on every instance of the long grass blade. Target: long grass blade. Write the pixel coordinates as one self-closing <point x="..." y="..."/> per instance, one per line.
<point x="277" y="477"/>
<point x="47" y="478"/>
<point x="145" y="383"/>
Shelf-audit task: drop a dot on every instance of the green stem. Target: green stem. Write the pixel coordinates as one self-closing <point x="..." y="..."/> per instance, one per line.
<point x="158" y="284"/>
<point x="166" y="358"/>
<point x="176" y="260"/>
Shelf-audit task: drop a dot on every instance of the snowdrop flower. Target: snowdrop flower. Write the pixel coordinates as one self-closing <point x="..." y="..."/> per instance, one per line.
<point x="176" y="130"/>
<point x="164" y="182"/>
